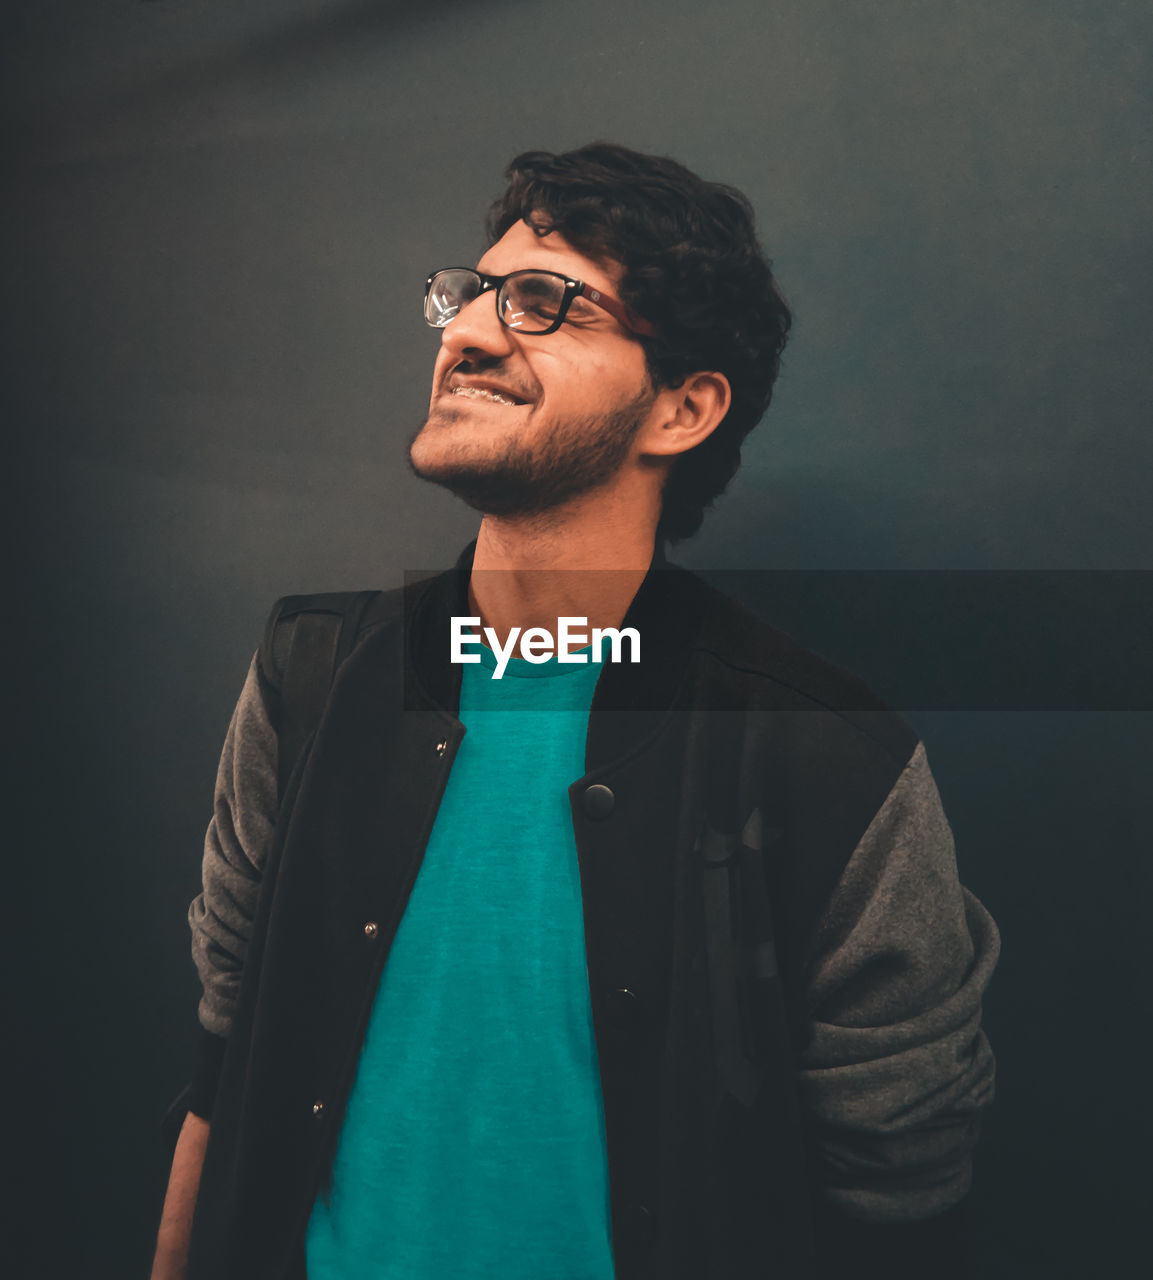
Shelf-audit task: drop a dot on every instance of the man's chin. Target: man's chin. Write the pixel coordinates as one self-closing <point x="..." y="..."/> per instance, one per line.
<point x="509" y="479"/>
<point x="490" y="491"/>
<point x="429" y="452"/>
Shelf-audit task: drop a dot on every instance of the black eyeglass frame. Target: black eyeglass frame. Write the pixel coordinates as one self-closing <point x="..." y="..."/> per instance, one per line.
<point x="572" y="289"/>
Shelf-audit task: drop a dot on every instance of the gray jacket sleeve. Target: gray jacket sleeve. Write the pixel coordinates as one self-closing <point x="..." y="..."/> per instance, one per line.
<point x="235" y="849"/>
<point x="898" y="1069"/>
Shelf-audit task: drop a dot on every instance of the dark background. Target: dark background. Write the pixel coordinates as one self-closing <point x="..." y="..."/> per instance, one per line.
<point x="220" y="217"/>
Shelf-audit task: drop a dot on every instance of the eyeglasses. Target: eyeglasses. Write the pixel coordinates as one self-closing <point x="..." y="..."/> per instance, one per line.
<point x="527" y="301"/>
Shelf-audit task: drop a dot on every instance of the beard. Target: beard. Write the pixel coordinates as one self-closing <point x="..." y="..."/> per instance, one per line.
<point x="572" y="459"/>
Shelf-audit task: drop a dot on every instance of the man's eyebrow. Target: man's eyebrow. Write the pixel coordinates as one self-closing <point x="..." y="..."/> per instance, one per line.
<point x="552" y="271"/>
<point x="581" y="305"/>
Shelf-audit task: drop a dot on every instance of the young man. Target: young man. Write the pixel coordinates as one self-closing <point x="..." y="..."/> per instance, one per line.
<point x="554" y="968"/>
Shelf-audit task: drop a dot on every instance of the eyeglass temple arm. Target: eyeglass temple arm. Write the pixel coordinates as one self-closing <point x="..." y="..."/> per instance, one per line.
<point x="618" y="311"/>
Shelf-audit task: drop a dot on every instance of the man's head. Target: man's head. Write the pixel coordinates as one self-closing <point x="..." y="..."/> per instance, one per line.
<point x="647" y="381"/>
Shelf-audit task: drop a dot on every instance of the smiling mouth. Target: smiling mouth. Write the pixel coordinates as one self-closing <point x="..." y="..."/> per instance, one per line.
<point x="482" y="393"/>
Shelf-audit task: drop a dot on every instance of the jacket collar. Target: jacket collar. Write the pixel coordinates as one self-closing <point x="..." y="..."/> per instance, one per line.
<point x="631" y="699"/>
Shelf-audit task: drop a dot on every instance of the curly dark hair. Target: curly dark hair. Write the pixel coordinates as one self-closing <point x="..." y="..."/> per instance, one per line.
<point x="692" y="266"/>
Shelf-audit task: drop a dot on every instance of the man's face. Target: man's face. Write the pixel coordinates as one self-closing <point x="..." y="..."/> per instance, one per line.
<point x="583" y="392"/>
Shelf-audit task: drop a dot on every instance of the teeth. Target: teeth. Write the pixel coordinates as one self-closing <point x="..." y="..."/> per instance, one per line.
<point x="479" y="393"/>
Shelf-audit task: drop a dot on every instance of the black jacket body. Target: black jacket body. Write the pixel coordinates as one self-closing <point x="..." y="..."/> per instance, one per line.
<point x="729" y="777"/>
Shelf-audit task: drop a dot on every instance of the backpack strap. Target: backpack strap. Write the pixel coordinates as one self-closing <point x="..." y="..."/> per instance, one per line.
<point x="306" y="638"/>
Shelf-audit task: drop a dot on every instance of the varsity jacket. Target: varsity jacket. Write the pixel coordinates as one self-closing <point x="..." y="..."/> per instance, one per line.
<point x="785" y="972"/>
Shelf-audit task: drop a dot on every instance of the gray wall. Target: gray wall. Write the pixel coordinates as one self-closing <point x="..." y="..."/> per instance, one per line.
<point x="220" y="217"/>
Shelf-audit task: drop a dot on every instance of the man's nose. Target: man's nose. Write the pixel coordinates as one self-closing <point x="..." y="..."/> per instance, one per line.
<point x="476" y="329"/>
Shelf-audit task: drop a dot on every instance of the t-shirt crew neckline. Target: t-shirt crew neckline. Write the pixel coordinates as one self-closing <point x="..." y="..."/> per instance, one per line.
<point x="521" y="668"/>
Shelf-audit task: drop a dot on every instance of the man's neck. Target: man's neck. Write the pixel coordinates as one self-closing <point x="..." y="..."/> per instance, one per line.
<point x="529" y="572"/>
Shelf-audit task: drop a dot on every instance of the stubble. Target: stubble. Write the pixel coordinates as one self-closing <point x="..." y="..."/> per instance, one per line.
<point x="573" y="459"/>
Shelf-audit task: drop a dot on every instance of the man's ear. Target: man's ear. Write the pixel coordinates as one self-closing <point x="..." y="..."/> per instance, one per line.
<point x="681" y="417"/>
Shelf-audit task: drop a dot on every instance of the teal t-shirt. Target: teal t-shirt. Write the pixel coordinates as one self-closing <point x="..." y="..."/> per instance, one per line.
<point x="473" y="1142"/>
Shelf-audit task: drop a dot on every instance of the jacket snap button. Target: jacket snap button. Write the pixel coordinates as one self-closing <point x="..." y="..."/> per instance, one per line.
<point x="598" y="801"/>
<point x="622" y="1007"/>
<point x="371" y="929"/>
<point x="638" y="1227"/>
<point x="441" y="748"/>
<point x="317" y="1107"/>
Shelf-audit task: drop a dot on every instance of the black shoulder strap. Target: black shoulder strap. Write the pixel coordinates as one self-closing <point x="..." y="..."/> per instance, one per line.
<point x="306" y="639"/>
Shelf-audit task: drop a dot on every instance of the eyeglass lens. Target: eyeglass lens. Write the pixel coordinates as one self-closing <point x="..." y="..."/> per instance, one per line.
<point x="528" y="301"/>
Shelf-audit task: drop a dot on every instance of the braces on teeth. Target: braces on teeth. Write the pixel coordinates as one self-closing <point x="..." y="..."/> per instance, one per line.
<point x="479" y="393"/>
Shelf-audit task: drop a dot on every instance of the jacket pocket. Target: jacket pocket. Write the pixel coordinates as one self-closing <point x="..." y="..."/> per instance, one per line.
<point x="741" y="952"/>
